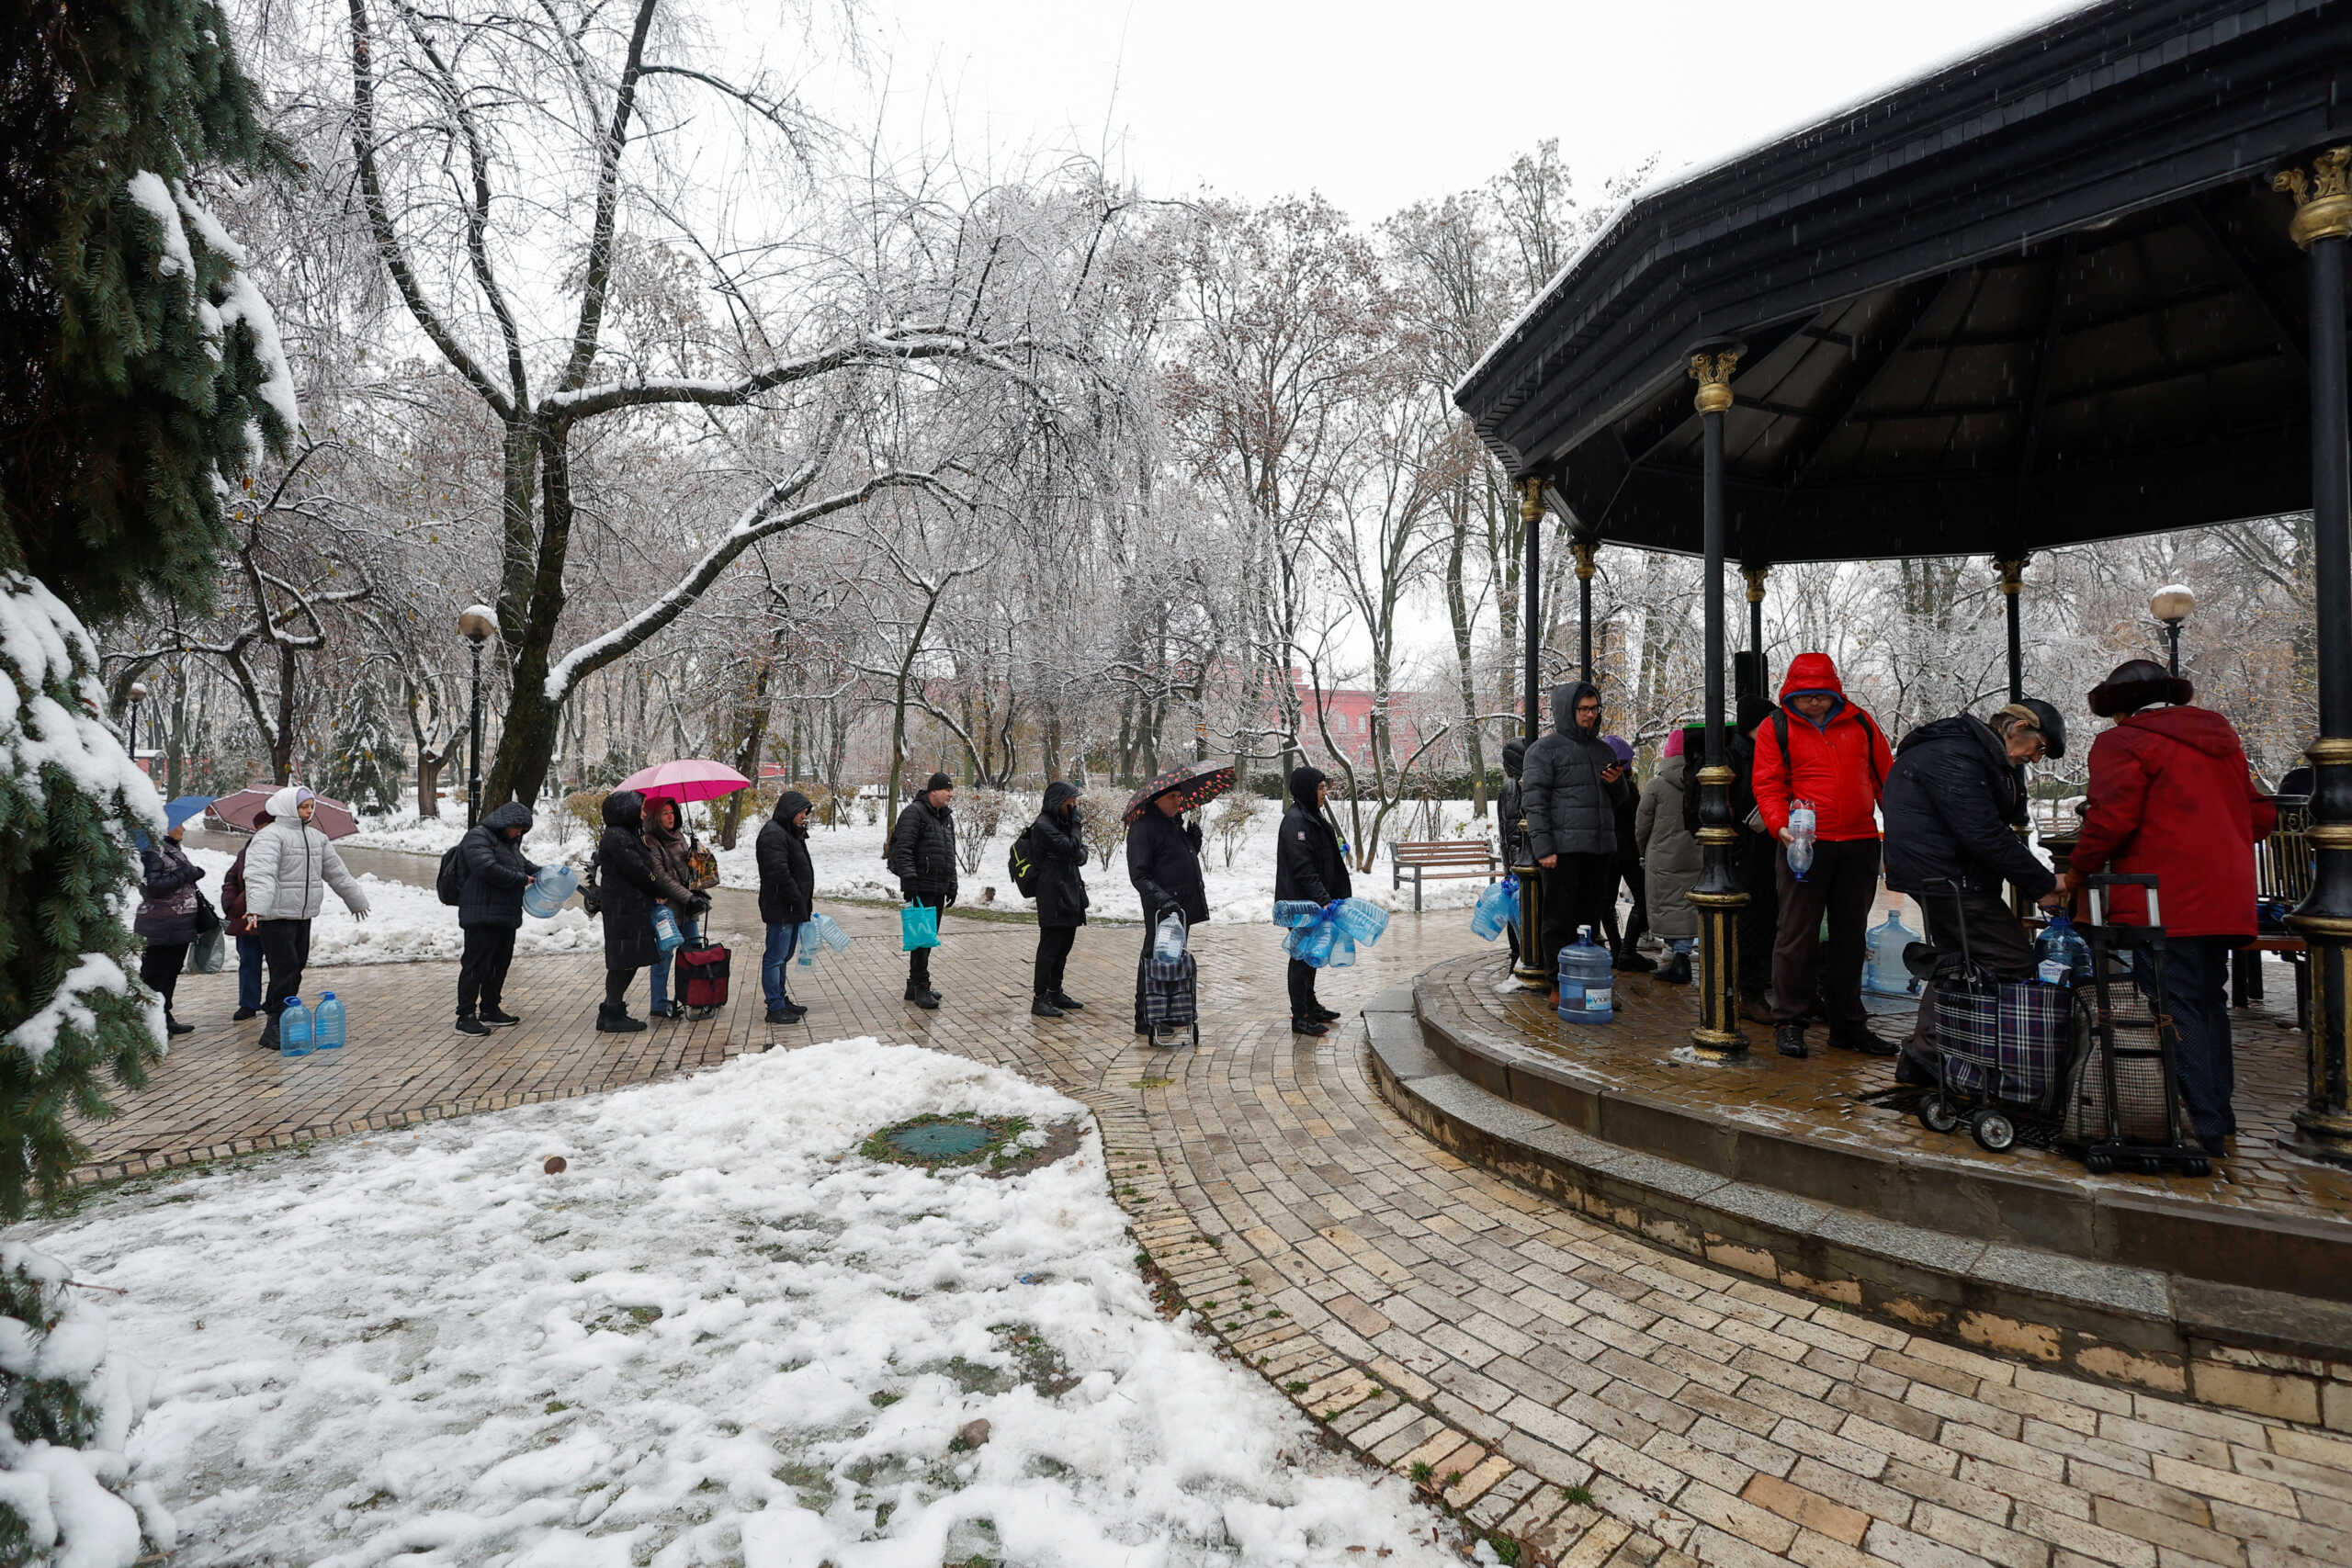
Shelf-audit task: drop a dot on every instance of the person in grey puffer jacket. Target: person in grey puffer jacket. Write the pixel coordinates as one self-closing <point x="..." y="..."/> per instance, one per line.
<point x="1570" y="787"/>
<point x="490" y="911"/>
<point x="288" y="867"/>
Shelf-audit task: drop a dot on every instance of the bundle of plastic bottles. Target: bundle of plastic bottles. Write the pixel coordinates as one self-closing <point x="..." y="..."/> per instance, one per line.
<point x="1497" y="907"/>
<point x="1325" y="935"/>
<point x="819" y="933"/>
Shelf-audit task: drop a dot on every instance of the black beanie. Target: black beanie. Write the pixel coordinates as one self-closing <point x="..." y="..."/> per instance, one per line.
<point x="938" y="780"/>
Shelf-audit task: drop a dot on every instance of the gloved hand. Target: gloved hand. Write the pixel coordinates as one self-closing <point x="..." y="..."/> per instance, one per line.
<point x="906" y="892"/>
<point x="699" y="904"/>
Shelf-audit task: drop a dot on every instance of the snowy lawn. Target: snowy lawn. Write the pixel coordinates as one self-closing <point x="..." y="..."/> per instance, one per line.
<point x="722" y="1336"/>
<point x="848" y="862"/>
<point x="407" y="924"/>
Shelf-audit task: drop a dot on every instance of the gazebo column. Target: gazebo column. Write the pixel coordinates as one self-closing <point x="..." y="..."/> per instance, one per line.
<point x="2012" y="587"/>
<point x="1717" y="896"/>
<point x="1534" y="970"/>
<point x="2322" y="222"/>
<point x="1584" y="546"/>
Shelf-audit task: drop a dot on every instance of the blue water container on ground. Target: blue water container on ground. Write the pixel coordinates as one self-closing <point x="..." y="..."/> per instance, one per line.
<point x="1887" y="976"/>
<point x="328" y="1024"/>
<point x="548" y="891"/>
<point x="1588" y="983"/>
<point x="295" y="1035"/>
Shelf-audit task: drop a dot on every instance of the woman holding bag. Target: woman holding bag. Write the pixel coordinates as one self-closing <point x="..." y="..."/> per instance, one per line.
<point x="667" y="851"/>
<point x="170" y="914"/>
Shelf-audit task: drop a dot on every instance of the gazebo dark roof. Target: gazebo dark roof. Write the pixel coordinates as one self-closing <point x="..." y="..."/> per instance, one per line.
<point x="2042" y="296"/>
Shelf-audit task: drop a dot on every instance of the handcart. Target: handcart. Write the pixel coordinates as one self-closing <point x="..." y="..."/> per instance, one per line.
<point x="2000" y="1050"/>
<point x="2122" y="1108"/>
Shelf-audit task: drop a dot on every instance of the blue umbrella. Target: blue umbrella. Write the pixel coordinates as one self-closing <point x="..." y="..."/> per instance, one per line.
<point x="186" y="806"/>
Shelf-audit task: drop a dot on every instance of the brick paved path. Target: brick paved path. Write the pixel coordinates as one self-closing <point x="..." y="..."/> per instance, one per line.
<point x="1596" y="1398"/>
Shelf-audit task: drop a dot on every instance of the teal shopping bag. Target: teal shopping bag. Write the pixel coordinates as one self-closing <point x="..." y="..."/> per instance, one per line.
<point x="918" y="927"/>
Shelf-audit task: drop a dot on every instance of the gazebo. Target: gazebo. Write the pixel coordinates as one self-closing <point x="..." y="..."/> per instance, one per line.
<point x="2088" y="282"/>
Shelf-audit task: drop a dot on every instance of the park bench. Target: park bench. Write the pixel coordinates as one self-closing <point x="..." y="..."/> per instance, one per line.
<point x="1442" y="859"/>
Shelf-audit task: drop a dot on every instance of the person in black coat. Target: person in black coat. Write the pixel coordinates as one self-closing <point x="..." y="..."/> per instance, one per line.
<point x="922" y="857"/>
<point x="1060" y="845"/>
<point x="1164" y="865"/>
<point x="1570" y="787"/>
<point x="1754" y="855"/>
<point x="1510" y="816"/>
<point x="490" y="911"/>
<point x="630" y="887"/>
<point x="787" y="898"/>
<point x="1308" y="866"/>
<point x="168" y="917"/>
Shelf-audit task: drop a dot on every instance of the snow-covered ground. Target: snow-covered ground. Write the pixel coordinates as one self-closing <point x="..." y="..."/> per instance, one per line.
<point x="721" y="1336"/>
<point x="407" y="924"/>
<point x="849" y="861"/>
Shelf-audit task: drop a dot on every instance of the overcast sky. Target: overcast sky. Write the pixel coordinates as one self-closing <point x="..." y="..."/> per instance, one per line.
<point x="1378" y="105"/>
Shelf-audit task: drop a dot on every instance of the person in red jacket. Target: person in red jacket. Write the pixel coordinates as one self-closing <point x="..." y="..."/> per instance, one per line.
<point x="1822" y="749"/>
<point x="2171" y="795"/>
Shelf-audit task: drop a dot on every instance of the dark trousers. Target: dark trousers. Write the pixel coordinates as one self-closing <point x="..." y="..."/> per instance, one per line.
<point x="249" y="974"/>
<point x="1759" y="917"/>
<point x="1995" y="936"/>
<point x="2196" y="976"/>
<point x="1576" y="889"/>
<point x="482" y="972"/>
<point x="1842" y="885"/>
<point x="618" y="981"/>
<point x="1637" y="923"/>
<point x="919" y="961"/>
<point x="160" y="968"/>
<point x="1301" y="978"/>
<point x="1053" y="958"/>
<point x="286" y="948"/>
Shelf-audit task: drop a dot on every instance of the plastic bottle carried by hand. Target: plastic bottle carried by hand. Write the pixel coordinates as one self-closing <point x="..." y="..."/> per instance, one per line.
<point x="1361" y="918"/>
<point x="2061" y="957"/>
<point x="295" y="1037"/>
<point x="1497" y="908"/>
<point x="1168" y="939"/>
<point x="548" y="891"/>
<point x="1800" y="828"/>
<point x="819" y="932"/>
<point x="666" y="935"/>
<point x="327" y="1024"/>
<point x="1887" y="976"/>
<point x="1588" y="983"/>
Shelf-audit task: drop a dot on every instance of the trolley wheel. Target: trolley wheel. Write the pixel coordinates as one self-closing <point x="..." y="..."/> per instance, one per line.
<point x="1936" y="1115"/>
<point x="1992" y="1131"/>
<point x="2098" y="1163"/>
<point x="2196" y="1167"/>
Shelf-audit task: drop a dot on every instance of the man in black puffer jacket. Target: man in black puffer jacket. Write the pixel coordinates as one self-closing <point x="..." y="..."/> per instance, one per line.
<point x="1164" y="865"/>
<point x="787" y="897"/>
<point x="922" y="857"/>
<point x="490" y="911"/>
<point x="1060" y="843"/>
<point x="1570" y="785"/>
<point x="1308" y="865"/>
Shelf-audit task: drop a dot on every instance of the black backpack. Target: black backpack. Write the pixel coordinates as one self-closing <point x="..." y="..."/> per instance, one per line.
<point x="450" y="880"/>
<point x="1021" y="861"/>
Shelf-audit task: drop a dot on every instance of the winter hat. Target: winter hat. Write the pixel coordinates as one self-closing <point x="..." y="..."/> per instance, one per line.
<point x="1617" y="743"/>
<point x="2014" y="716"/>
<point x="938" y="780"/>
<point x="2138" y="683"/>
<point x="1673" y="747"/>
<point x="2053" y="725"/>
<point x="1303" y="783"/>
<point x="1514" y="755"/>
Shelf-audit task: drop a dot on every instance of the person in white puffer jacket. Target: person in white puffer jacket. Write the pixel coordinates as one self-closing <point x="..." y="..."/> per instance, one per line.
<point x="288" y="867"/>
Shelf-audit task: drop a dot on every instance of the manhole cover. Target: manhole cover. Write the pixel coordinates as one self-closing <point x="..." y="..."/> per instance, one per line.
<point x="940" y="1140"/>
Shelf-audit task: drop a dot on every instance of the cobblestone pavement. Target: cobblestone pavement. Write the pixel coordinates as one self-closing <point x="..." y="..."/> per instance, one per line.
<point x="1598" y="1399"/>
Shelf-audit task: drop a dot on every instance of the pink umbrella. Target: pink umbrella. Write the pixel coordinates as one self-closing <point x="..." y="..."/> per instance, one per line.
<point x="332" y="817"/>
<point x="691" y="779"/>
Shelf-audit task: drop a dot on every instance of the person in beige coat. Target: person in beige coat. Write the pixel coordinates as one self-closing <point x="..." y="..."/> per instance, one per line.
<point x="1669" y="860"/>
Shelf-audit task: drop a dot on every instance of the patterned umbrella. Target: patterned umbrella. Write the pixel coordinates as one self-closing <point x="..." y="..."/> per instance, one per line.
<point x="1196" y="783"/>
<point x="332" y="817"/>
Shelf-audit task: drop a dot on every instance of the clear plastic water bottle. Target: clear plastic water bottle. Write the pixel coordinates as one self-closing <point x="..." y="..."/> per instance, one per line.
<point x="328" y="1025"/>
<point x="2061" y="957"/>
<point x="1588" y="985"/>
<point x="1801" y="826"/>
<point x="295" y="1037"/>
<point x="1168" y="939"/>
<point x="1887" y="976"/>
<point x="545" y="895"/>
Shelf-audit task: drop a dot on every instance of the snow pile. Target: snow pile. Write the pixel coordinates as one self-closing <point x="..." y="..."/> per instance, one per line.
<point x="408" y="924"/>
<point x="723" y="1335"/>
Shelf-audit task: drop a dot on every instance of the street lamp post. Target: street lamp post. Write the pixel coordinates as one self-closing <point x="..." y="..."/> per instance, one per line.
<point x="475" y="624"/>
<point x="2171" y="605"/>
<point x="138" y="699"/>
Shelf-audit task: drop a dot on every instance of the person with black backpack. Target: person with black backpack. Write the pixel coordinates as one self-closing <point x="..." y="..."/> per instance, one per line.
<point x="491" y="873"/>
<point x="1048" y="864"/>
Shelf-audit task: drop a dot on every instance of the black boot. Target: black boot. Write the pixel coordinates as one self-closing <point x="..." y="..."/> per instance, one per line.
<point x="617" y="1021"/>
<point x="1308" y="1026"/>
<point x="1677" y="970"/>
<point x="1860" y="1038"/>
<point x="1064" y="1000"/>
<point x="1322" y="1014"/>
<point x="269" y="1034"/>
<point x="174" y="1026"/>
<point x="469" y="1024"/>
<point x="1627" y="960"/>
<point x="1789" y="1039"/>
<point x="1042" y="1007"/>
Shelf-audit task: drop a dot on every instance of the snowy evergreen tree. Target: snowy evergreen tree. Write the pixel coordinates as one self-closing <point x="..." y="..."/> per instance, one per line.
<point x="365" y="761"/>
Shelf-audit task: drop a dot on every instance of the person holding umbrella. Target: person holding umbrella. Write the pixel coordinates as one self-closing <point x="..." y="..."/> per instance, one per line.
<point x="921" y="856"/>
<point x="171" y="910"/>
<point x="288" y="867"/>
<point x="1164" y="855"/>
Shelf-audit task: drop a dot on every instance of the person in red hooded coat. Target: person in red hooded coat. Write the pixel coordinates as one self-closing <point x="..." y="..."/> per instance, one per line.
<point x="2171" y="795"/>
<point x="1822" y="749"/>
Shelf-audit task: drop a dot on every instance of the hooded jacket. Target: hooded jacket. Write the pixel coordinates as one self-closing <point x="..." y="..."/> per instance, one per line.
<point x="1840" y="764"/>
<point x="1570" y="809"/>
<point x="1507" y="805"/>
<point x="289" y="865"/>
<point x="1669" y="850"/>
<point x="2171" y="795"/>
<point x="665" y="847"/>
<point x="922" y="851"/>
<point x="627" y="883"/>
<point x="1061" y="859"/>
<point x="1164" y="863"/>
<point x="1951" y="798"/>
<point x="168" y="897"/>
<point x="497" y="871"/>
<point x="1308" y="861"/>
<point x="788" y="879"/>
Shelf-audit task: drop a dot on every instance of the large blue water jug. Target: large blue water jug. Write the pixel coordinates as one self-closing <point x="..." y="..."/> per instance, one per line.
<point x="666" y="935"/>
<point x="548" y="891"/>
<point x="327" y="1027"/>
<point x="1588" y="985"/>
<point x="294" y="1032"/>
<point x="1886" y="974"/>
<point x="1497" y="907"/>
<point x="2061" y="957"/>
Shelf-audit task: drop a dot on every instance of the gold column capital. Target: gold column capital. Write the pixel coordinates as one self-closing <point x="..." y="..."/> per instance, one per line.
<point x="1714" y="373"/>
<point x="2012" y="575"/>
<point x="1531" y="500"/>
<point x="1754" y="575"/>
<point x="1584" y="550"/>
<point x="2323" y="204"/>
